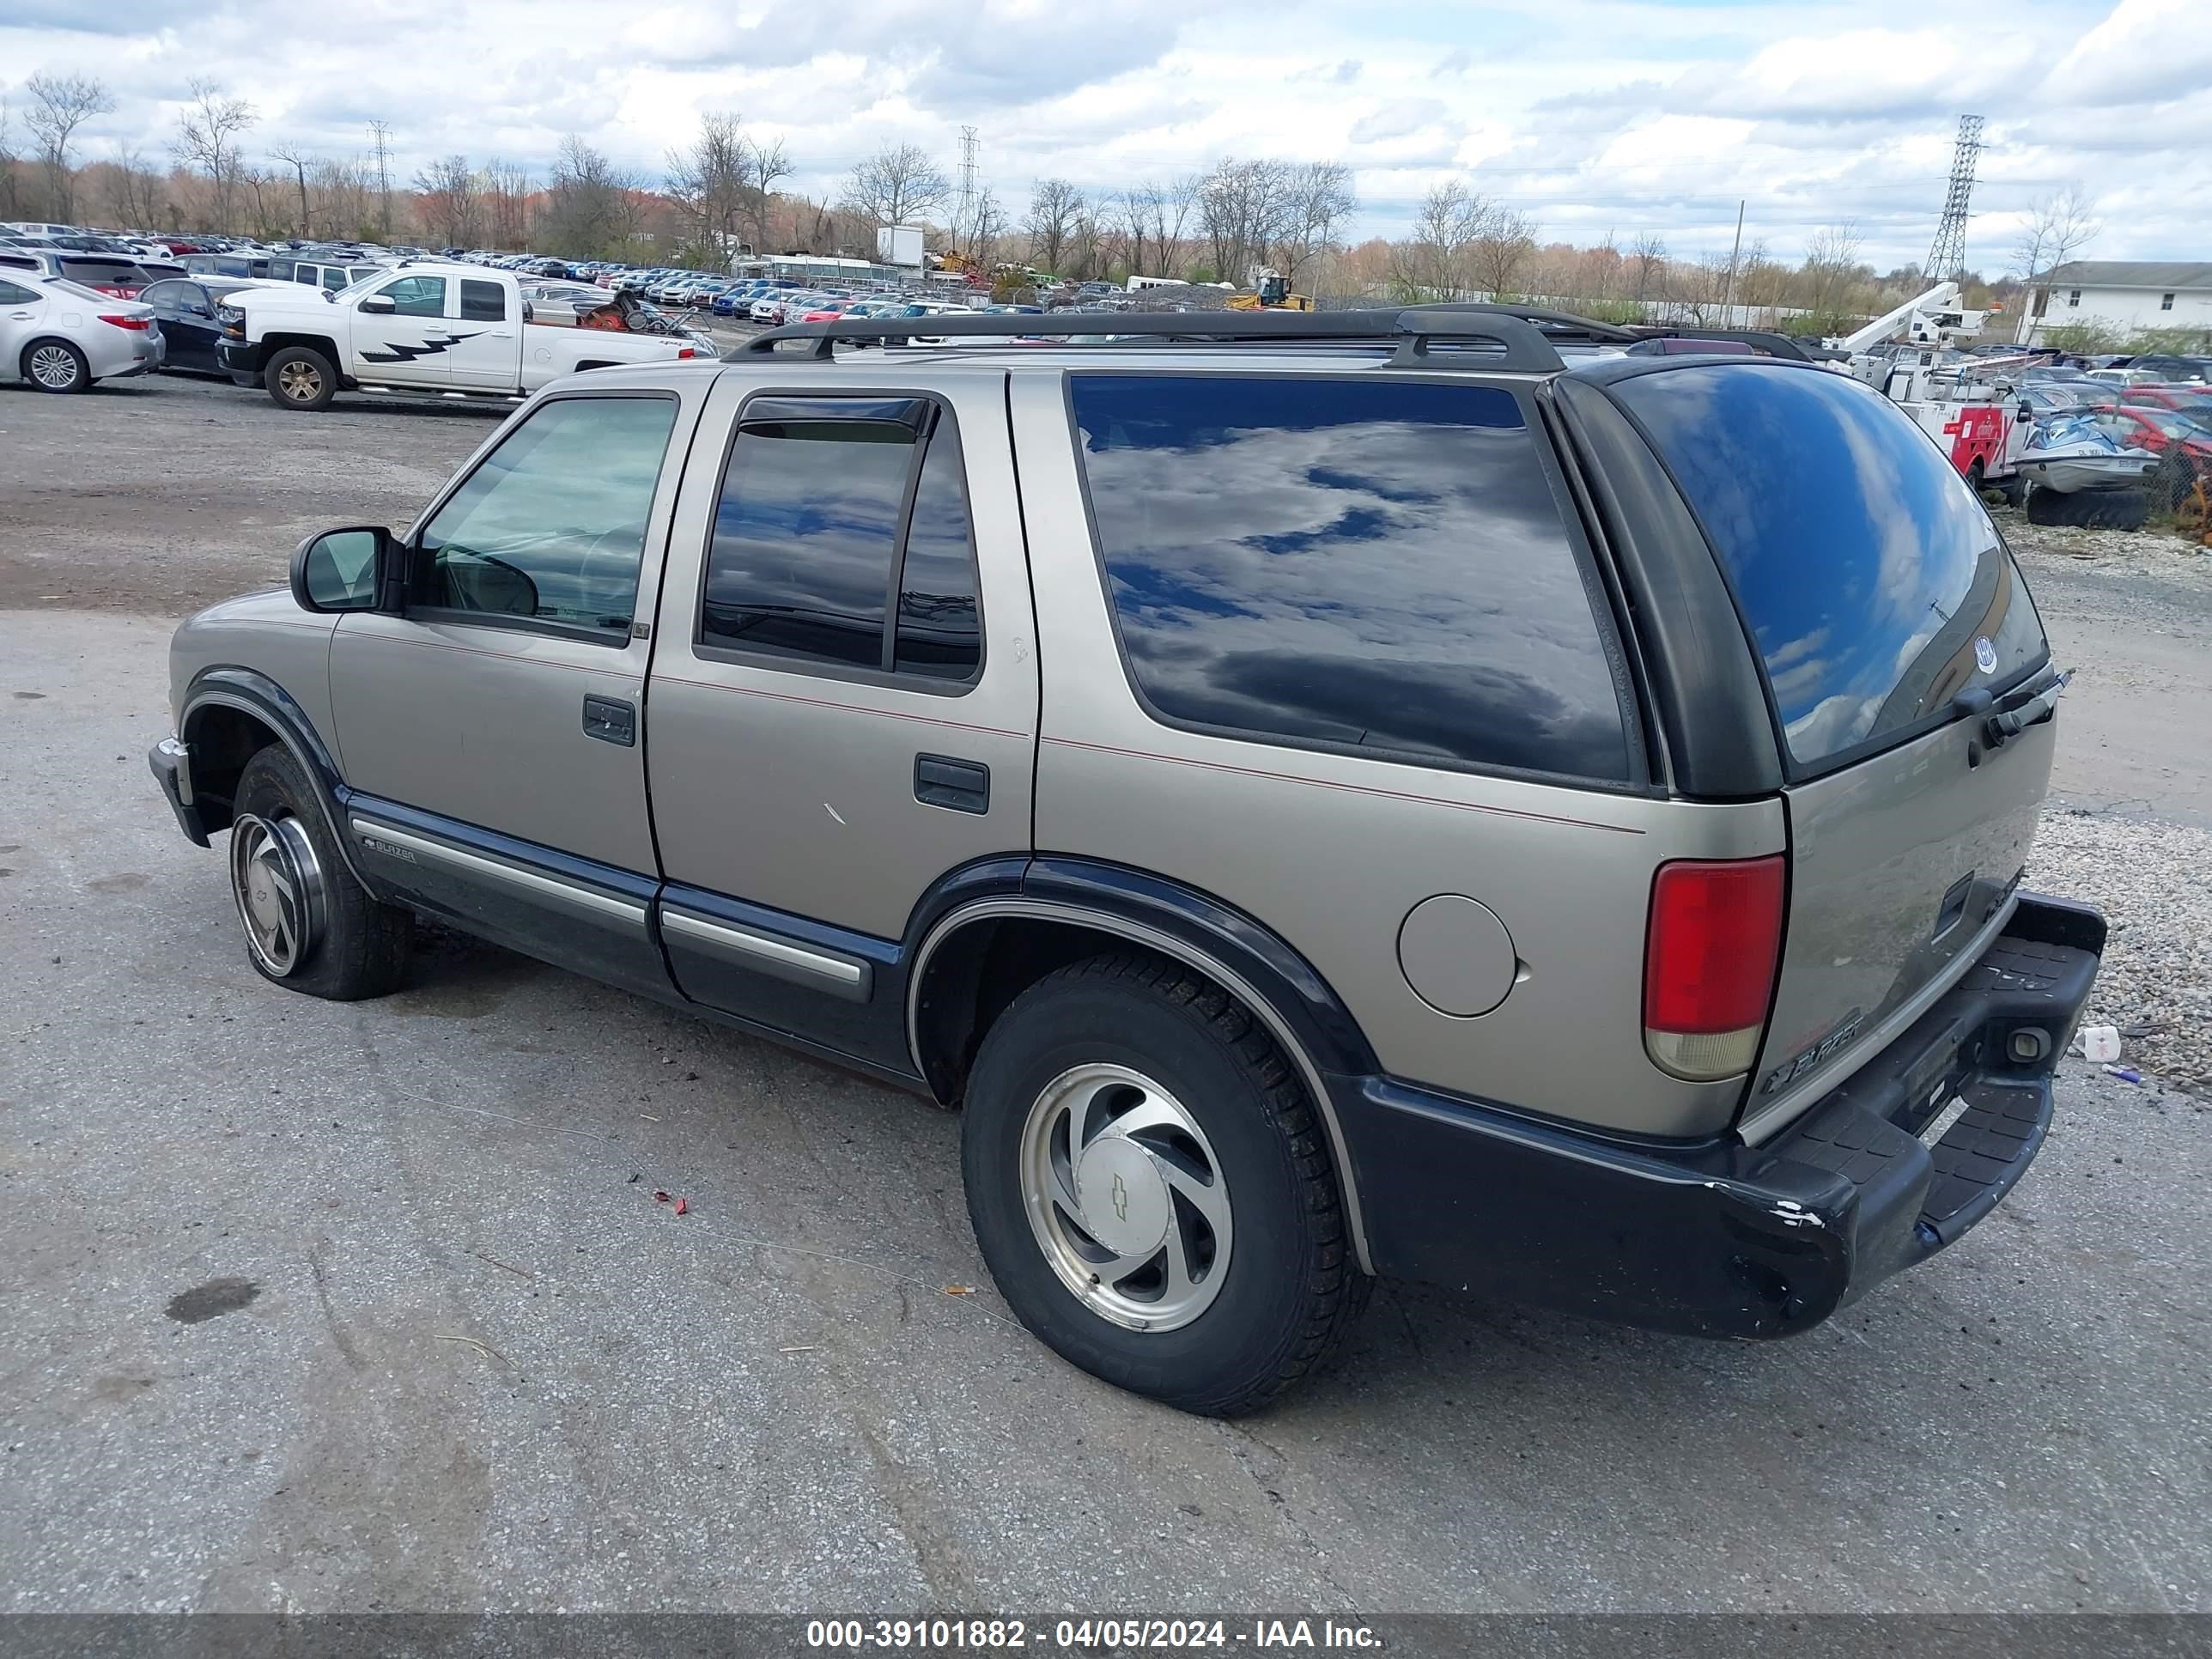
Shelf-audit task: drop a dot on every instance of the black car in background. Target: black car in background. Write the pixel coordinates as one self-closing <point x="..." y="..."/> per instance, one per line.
<point x="185" y="309"/>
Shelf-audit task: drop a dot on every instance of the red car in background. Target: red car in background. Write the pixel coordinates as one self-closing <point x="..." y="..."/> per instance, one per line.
<point x="2161" y="430"/>
<point x="2186" y="395"/>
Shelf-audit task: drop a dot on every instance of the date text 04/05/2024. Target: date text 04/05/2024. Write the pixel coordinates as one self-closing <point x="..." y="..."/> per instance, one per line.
<point x="1001" y="1635"/>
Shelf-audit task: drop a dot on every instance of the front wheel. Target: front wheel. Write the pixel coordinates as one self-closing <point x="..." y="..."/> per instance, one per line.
<point x="1151" y="1190"/>
<point x="302" y="378"/>
<point x="309" y="925"/>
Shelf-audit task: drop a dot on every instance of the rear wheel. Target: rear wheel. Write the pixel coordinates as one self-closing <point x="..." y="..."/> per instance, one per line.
<point x="309" y="925"/>
<point x="300" y="378"/>
<point x="56" y="365"/>
<point x="1151" y="1188"/>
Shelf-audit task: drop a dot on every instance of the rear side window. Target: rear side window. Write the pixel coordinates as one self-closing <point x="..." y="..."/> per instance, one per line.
<point x="843" y="538"/>
<point x="484" y="302"/>
<point x="1868" y="574"/>
<point x="1376" y="565"/>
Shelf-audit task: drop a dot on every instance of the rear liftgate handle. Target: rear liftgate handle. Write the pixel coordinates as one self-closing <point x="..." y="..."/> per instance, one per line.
<point x="611" y="720"/>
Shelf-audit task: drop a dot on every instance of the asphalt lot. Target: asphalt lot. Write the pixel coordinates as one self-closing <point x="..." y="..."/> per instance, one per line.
<point x="445" y="1351"/>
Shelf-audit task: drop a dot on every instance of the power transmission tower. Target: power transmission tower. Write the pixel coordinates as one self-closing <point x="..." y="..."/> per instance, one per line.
<point x="1948" y="255"/>
<point x="965" y="215"/>
<point x="380" y="134"/>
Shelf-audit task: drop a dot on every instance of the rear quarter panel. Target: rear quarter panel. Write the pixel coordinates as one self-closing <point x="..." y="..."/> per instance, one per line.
<point x="1333" y="851"/>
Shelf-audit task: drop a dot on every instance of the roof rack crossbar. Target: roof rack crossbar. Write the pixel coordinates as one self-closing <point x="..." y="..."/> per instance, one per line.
<point x="1522" y="345"/>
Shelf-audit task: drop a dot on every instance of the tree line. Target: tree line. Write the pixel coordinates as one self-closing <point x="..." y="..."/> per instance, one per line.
<point x="729" y="189"/>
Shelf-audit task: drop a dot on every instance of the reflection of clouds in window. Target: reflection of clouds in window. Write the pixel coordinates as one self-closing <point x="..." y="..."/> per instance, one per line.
<point x="1372" y="564"/>
<point x="1850" y="540"/>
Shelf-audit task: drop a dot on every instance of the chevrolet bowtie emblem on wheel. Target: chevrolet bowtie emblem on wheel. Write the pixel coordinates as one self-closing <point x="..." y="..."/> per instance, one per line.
<point x="1121" y="1198"/>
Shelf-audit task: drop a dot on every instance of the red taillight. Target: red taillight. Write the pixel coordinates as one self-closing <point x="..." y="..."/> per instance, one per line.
<point x="687" y="352"/>
<point x="136" y="325"/>
<point x="1709" y="958"/>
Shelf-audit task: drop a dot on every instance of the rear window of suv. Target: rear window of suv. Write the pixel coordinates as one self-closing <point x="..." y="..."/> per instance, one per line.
<point x="1375" y="566"/>
<point x="1868" y="573"/>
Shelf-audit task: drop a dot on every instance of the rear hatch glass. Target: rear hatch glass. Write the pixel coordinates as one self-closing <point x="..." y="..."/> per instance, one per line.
<point x="1875" y="589"/>
<point x="1869" y="576"/>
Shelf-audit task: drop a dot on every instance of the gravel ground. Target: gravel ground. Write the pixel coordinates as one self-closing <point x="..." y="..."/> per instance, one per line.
<point x="2151" y="881"/>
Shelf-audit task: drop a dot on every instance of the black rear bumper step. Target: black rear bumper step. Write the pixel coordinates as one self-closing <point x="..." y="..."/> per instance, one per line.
<point x="1722" y="1239"/>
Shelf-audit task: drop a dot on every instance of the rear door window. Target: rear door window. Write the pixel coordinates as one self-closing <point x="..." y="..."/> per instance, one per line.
<point x="1867" y="572"/>
<point x="1376" y="566"/>
<point x="842" y="539"/>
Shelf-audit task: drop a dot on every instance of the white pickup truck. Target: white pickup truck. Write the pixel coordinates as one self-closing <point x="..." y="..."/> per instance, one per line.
<point x="425" y="329"/>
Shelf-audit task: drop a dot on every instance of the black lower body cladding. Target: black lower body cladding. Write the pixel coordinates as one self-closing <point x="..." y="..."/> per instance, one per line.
<point x="1723" y="1239"/>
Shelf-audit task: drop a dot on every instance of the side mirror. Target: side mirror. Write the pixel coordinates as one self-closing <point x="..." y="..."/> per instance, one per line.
<point x="201" y="310"/>
<point x="343" y="569"/>
<point x="2023" y="414"/>
<point x="382" y="304"/>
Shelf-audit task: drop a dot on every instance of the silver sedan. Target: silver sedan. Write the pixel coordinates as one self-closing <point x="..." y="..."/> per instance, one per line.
<point x="60" y="337"/>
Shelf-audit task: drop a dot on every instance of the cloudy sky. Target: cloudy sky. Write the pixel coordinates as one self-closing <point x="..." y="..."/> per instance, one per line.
<point x="1589" y="115"/>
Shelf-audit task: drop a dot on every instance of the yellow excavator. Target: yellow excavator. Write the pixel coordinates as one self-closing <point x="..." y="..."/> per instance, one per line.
<point x="1271" y="291"/>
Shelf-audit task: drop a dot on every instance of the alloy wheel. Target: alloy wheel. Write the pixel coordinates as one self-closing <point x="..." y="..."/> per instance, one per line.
<point x="279" y="887"/>
<point x="53" y="368"/>
<point x="1125" y="1197"/>
<point x="302" y="382"/>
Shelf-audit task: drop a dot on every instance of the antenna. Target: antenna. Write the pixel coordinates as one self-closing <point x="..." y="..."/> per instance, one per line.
<point x="1948" y="254"/>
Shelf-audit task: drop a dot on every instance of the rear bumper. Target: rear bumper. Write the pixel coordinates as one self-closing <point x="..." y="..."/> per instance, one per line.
<point x="1725" y="1239"/>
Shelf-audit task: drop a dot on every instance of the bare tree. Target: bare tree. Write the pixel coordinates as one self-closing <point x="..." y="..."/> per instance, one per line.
<point x="299" y="161"/>
<point x="709" y="181"/>
<point x="1647" y="265"/>
<point x="134" y="191"/>
<point x="60" y="104"/>
<point x="986" y="222"/>
<point x="209" y="132"/>
<point x="2058" y="227"/>
<point x="581" y="215"/>
<point x="1056" y="207"/>
<point x="1831" y="265"/>
<point x="768" y="164"/>
<point x="895" y="185"/>
<point x="450" y="204"/>
<point x="7" y="160"/>
<point x="1316" y="199"/>
<point x="1499" y="250"/>
<point x="507" y="192"/>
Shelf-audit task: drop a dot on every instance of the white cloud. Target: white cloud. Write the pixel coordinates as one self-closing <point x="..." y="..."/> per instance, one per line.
<point x="1589" y="115"/>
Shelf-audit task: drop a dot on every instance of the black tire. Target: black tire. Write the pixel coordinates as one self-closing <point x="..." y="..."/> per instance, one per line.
<point x="51" y="350"/>
<point x="300" y="378"/>
<point x="1291" y="1290"/>
<point x="2090" y="509"/>
<point x="360" y="948"/>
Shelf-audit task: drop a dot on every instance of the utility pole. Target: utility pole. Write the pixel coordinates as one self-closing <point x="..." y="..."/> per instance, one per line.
<point x="1728" y="293"/>
<point x="1948" y="256"/>
<point x="380" y="134"/>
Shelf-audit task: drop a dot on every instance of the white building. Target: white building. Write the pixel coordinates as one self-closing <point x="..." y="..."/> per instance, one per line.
<point x="2121" y="295"/>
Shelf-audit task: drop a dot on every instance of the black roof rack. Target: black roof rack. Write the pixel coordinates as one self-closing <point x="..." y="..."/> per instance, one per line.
<point x="1521" y="342"/>
<point x="1775" y="345"/>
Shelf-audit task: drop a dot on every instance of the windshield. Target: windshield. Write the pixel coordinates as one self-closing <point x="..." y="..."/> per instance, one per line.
<point x="1867" y="572"/>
